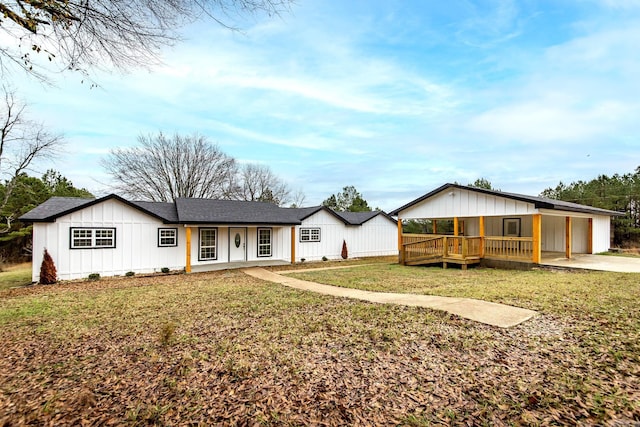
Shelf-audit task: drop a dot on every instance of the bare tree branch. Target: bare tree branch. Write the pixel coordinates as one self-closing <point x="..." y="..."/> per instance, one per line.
<point x="258" y="183"/>
<point x="22" y="142"/>
<point x="84" y="34"/>
<point x="162" y="169"/>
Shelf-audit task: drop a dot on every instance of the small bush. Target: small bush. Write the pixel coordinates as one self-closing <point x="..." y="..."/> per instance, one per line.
<point x="344" y="254"/>
<point x="324" y="258"/>
<point x="94" y="277"/>
<point x="166" y="333"/>
<point x="165" y="270"/>
<point x="48" y="273"/>
<point x="130" y="273"/>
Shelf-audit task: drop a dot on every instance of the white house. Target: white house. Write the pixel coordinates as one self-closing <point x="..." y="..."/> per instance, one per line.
<point x="323" y="230"/>
<point x="500" y="225"/>
<point x="112" y="236"/>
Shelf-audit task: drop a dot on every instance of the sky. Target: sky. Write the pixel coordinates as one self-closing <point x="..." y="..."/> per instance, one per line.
<point x="393" y="97"/>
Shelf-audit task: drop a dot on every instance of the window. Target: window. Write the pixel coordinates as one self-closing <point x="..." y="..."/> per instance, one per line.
<point x="93" y="238"/>
<point x="264" y="242"/>
<point x="309" y="234"/>
<point x="167" y="237"/>
<point x="208" y="243"/>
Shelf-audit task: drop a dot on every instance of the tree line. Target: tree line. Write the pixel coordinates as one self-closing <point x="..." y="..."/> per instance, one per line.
<point x="620" y="193"/>
<point x="21" y="194"/>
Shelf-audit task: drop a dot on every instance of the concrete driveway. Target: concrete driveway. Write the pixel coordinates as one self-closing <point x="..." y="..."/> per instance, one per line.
<point x="596" y="262"/>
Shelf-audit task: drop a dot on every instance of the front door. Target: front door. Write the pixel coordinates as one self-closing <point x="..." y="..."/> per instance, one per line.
<point x="237" y="244"/>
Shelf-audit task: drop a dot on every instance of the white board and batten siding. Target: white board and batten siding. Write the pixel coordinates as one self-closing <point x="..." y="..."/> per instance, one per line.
<point x="136" y="243"/>
<point x="376" y="237"/>
<point x="455" y="202"/>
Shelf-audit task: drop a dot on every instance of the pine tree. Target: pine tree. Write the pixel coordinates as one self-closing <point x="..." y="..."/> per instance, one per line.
<point x="48" y="274"/>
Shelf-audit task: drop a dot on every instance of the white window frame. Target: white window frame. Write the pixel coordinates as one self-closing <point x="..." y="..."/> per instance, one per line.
<point x="266" y="245"/>
<point x="97" y="237"/>
<point x="308" y="235"/>
<point x="214" y="246"/>
<point x="171" y="237"/>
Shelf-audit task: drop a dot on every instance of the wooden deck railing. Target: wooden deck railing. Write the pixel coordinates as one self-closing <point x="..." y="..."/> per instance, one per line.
<point x="423" y="247"/>
<point x="518" y="248"/>
<point x="421" y="250"/>
<point x="463" y="247"/>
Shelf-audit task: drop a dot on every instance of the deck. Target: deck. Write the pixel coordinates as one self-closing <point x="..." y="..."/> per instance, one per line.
<point x="423" y="249"/>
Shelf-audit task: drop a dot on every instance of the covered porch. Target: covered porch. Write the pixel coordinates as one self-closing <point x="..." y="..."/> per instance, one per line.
<point x="522" y="238"/>
<point x="464" y="225"/>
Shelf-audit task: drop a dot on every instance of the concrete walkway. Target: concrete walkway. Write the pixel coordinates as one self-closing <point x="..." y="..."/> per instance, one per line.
<point x="596" y="262"/>
<point x="490" y="313"/>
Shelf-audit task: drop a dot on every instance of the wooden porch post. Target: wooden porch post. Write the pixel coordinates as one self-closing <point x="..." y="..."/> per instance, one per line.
<point x="537" y="238"/>
<point x="434" y="223"/>
<point x="567" y="237"/>
<point x="400" y="251"/>
<point x="481" y="236"/>
<point x="455" y="225"/>
<point x="590" y="237"/>
<point x="293" y="245"/>
<point x="187" y="267"/>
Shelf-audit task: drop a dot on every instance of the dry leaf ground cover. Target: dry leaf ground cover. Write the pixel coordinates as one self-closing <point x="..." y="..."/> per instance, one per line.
<point x="226" y="349"/>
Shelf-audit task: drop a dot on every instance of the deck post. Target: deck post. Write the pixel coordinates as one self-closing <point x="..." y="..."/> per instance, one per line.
<point x="567" y="237"/>
<point x="400" y="247"/>
<point x="187" y="267"/>
<point x="455" y="225"/>
<point x="293" y="245"/>
<point x="434" y="226"/>
<point x="481" y="236"/>
<point x="537" y="238"/>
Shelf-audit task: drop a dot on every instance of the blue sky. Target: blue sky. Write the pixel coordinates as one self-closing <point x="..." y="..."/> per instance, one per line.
<point x="393" y="97"/>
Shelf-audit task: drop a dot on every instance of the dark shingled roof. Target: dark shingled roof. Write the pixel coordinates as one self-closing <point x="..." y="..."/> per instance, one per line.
<point x="164" y="210"/>
<point x="56" y="207"/>
<point x="53" y="208"/>
<point x="349" y="218"/>
<point x="304" y="213"/>
<point x="200" y="211"/>
<point x="538" y="202"/>
<point x="358" y="218"/>
<point x="207" y="211"/>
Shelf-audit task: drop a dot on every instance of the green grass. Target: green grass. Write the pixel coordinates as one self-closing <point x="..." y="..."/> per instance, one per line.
<point x="226" y="349"/>
<point x="550" y="291"/>
<point x="14" y="276"/>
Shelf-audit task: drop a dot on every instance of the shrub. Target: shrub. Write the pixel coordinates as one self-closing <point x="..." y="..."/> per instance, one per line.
<point x="48" y="274"/>
<point x="130" y="273"/>
<point x="165" y="270"/>
<point x="94" y="277"/>
<point x="324" y="258"/>
<point x="166" y="333"/>
<point x="344" y="254"/>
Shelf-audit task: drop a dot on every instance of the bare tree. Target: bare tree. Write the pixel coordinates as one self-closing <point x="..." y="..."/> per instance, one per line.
<point x="162" y="169"/>
<point x="82" y="34"/>
<point x="22" y="142"/>
<point x="298" y="199"/>
<point x="257" y="182"/>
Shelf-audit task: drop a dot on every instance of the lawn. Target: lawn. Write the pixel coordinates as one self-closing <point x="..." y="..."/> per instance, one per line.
<point x="15" y="275"/>
<point x="224" y="348"/>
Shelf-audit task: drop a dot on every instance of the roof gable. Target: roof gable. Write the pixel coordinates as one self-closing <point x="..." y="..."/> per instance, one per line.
<point x="538" y="202"/>
<point x="347" y="218"/>
<point x="56" y="207"/>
